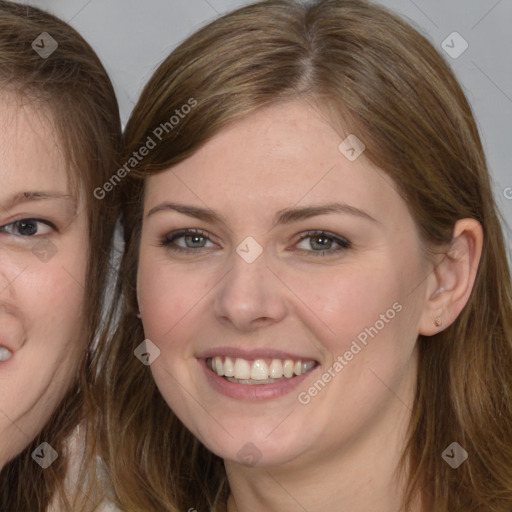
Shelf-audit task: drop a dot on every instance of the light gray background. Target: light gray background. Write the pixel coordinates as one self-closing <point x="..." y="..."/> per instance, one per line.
<point x="132" y="37"/>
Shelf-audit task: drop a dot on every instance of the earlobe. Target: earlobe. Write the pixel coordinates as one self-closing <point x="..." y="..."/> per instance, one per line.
<point x="453" y="278"/>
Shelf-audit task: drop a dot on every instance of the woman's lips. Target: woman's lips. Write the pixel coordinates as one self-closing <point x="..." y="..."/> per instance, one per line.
<point x="252" y="379"/>
<point x="258" y="371"/>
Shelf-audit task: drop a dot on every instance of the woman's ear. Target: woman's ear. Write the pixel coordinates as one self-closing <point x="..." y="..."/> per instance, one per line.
<point x="453" y="278"/>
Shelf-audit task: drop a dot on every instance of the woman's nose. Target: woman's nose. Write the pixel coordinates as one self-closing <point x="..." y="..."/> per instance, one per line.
<point x="250" y="295"/>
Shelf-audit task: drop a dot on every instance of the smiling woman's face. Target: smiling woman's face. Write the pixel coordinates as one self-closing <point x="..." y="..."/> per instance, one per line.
<point x="337" y="294"/>
<point x="43" y="258"/>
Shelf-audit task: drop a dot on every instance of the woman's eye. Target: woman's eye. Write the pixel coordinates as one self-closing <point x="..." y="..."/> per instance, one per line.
<point x="28" y="227"/>
<point x="318" y="243"/>
<point x="321" y="242"/>
<point x="187" y="239"/>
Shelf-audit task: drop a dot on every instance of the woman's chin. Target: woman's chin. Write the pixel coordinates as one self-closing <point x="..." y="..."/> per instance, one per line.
<point x="258" y="451"/>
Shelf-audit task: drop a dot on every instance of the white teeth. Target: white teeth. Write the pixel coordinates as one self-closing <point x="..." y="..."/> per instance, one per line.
<point x="259" y="370"/>
<point x="242" y="369"/>
<point x="5" y="354"/>
<point x="276" y="369"/>
<point x="229" y="367"/>
<point x="288" y="368"/>
<point x="217" y="362"/>
<point x="307" y="366"/>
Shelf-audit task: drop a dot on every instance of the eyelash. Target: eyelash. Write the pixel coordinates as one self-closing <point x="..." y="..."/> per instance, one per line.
<point x="343" y="243"/>
<point x="168" y="240"/>
<point x="3" y="229"/>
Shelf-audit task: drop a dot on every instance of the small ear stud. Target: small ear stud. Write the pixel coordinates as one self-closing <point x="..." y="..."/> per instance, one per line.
<point x="438" y="322"/>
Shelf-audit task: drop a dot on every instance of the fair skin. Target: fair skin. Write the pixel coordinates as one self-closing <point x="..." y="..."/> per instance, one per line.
<point x="43" y="259"/>
<point x="301" y="299"/>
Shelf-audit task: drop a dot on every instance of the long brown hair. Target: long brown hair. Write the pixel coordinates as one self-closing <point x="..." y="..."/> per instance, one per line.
<point x="73" y="86"/>
<point x="365" y="66"/>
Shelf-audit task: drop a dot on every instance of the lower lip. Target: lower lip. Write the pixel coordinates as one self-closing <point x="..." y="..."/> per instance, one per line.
<point x="253" y="392"/>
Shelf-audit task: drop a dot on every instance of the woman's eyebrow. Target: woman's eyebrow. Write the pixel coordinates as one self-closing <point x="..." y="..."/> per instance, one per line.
<point x="285" y="216"/>
<point x="192" y="211"/>
<point x="31" y="196"/>
<point x="289" y="215"/>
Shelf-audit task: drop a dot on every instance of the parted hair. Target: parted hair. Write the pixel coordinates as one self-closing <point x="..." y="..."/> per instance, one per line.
<point x="379" y="78"/>
<point x="72" y="86"/>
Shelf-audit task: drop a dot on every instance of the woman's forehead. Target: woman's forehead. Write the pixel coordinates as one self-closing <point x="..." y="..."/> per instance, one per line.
<point x="33" y="155"/>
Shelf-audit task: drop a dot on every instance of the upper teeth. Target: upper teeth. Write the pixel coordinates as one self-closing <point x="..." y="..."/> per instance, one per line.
<point x="5" y="354"/>
<point x="258" y="369"/>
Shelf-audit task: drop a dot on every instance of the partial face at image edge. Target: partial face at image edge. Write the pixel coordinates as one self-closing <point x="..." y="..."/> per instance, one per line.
<point x="43" y="261"/>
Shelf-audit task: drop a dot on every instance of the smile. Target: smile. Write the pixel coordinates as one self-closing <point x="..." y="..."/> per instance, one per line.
<point x="258" y="371"/>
